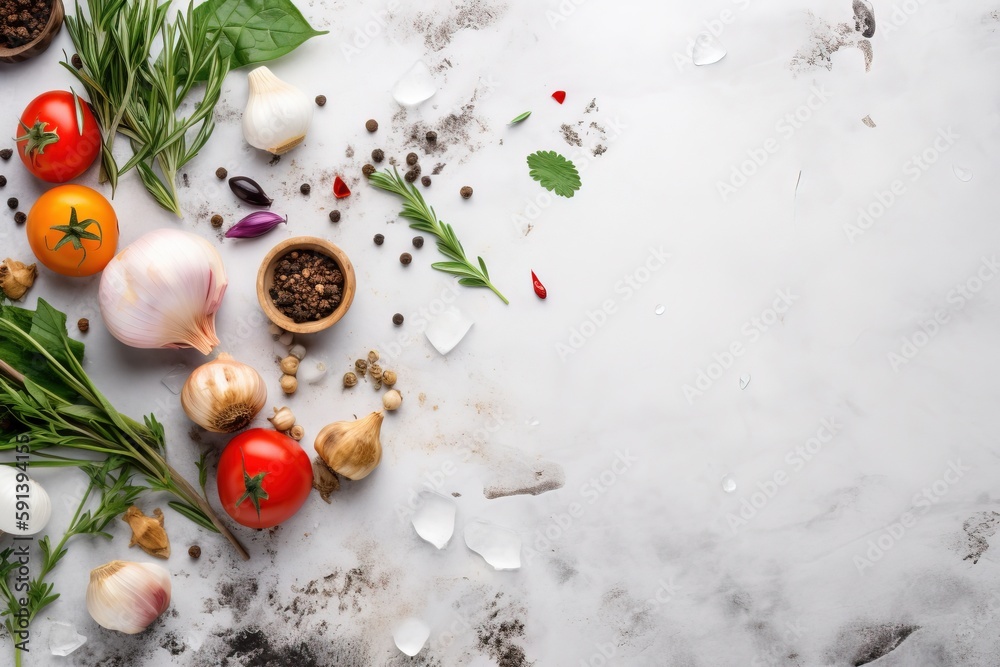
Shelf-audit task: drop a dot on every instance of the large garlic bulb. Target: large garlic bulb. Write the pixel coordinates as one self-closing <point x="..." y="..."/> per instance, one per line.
<point x="278" y="114"/>
<point x="128" y="597"/>
<point x="352" y="449"/>
<point x="223" y="395"/>
<point x="34" y="512"/>
<point x="163" y="290"/>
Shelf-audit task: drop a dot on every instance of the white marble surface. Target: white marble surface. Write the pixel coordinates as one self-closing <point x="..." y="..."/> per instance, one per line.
<point x="641" y="558"/>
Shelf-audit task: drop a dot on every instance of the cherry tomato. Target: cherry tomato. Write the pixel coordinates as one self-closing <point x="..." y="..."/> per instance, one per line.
<point x="264" y="478"/>
<point x="58" y="137"/>
<point x="73" y="230"/>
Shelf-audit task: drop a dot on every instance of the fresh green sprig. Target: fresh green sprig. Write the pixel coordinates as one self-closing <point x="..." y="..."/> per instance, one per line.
<point x="423" y="218"/>
<point x="141" y="98"/>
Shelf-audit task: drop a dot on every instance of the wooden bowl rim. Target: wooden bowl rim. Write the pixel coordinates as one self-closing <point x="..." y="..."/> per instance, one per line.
<point x="306" y="243"/>
<point x="47" y="34"/>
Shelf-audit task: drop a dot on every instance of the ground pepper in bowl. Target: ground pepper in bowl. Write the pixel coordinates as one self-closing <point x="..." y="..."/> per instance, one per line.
<point x="307" y="285"/>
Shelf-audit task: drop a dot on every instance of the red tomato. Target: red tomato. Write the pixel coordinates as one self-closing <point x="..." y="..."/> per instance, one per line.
<point x="264" y="478"/>
<point x="58" y="137"/>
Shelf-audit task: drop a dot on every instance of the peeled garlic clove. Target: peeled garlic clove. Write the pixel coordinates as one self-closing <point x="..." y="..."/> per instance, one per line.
<point x="223" y="395"/>
<point x="128" y="597"/>
<point x="34" y="515"/>
<point x="163" y="290"/>
<point x="352" y="449"/>
<point x="392" y="400"/>
<point x="148" y="532"/>
<point x="277" y="115"/>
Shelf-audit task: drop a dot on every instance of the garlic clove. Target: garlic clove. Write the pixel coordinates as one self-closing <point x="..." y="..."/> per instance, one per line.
<point x="128" y="597"/>
<point x="277" y="114"/>
<point x="392" y="399"/>
<point x="352" y="449"/>
<point x="148" y="532"/>
<point x="224" y="395"/>
<point x="283" y="419"/>
<point x="163" y="290"/>
<point x="39" y="506"/>
<point x="16" y="277"/>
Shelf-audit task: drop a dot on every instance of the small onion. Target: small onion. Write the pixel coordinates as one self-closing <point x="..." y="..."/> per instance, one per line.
<point x="163" y="291"/>
<point x="223" y="395"/>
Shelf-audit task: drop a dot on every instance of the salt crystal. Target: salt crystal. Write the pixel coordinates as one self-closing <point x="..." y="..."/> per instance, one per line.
<point x="499" y="546"/>
<point x="447" y="330"/>
<point x="707" y="50"/>
<point x="64" y="639"/>
<point x="416" y="86"/>
<point x="434" y="519"/>
<point x="175" y="379"/>
<point x="410" y="635"/>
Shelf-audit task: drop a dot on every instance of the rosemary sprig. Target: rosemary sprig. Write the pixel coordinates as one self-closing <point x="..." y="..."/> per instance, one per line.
<point x="423" y="218"/>
<point x="113" y="480"/>
<point x="140" y="97"/>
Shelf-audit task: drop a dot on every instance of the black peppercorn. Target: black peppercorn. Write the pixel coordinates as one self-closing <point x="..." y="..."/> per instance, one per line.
<point x="426" y="180"/>
<point x="418" y="241"/>
<point x="320" y="100"/>
<point x="12" y="203"/>
<point x="411" y="176"/>
<point x="371" y="125"/>
<point x="6" y="153"/>
<point x="411" y="159"/>
<point x="216" y="220"/>
<point x="378" y="155"/>
<point x="195" y="551"/>
<point x="432" y="136"/>
<point x="466" y="192"/>
<point x="76" y="62"/>
<point x="368" y="170"/>
<point x="335" y="216"/>
<point x="305" y="188"/>
<point x="221" y="173"/>
<point x="397" y="319"/>
<point x="20" y="218"/>
<point x="3" y="181"/>
<point x="379" y="239"/>
<point x="83" y="325"/>
<point x="405" y="258"/>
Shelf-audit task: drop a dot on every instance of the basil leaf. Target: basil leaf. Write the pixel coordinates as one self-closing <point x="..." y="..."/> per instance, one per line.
<point x="254" y="31"/>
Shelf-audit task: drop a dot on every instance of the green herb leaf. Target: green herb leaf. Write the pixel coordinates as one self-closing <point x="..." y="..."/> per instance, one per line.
<point x="518" y="119"/>
<point x="554" y="172"/>
<point x="255" y="31"/>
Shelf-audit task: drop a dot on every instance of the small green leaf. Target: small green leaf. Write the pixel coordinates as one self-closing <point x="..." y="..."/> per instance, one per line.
<point x="520" y="118"/>
<point x="554" y="172"/>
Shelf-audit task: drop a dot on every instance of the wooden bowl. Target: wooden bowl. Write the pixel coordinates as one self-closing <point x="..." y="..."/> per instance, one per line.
<point x="265" y="280"/>
<point x="38" y="44"/>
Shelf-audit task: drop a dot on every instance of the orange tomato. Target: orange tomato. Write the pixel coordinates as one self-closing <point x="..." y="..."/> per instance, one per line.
<point x="73" y="230"/>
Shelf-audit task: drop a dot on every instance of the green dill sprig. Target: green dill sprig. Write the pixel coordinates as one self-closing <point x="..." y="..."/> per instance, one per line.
<point x="423" y="218"/>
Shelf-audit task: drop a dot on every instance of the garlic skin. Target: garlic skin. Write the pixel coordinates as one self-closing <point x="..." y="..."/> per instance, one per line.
<point x="39" y="509"/>
<point x="224" y="395"/>
<point x="16" y="278"/>
<point x="352" y="449"/>
<point x="128" y="597"/>
<point x="277" y="114"/>
<point x="283" y="419"/>
<point x="163" y="290"/>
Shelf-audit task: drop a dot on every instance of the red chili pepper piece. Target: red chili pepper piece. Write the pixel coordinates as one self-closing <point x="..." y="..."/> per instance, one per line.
<point x="559" y="96"/>
<point x="340" y="189"/>
<point x="539" y="287"/>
